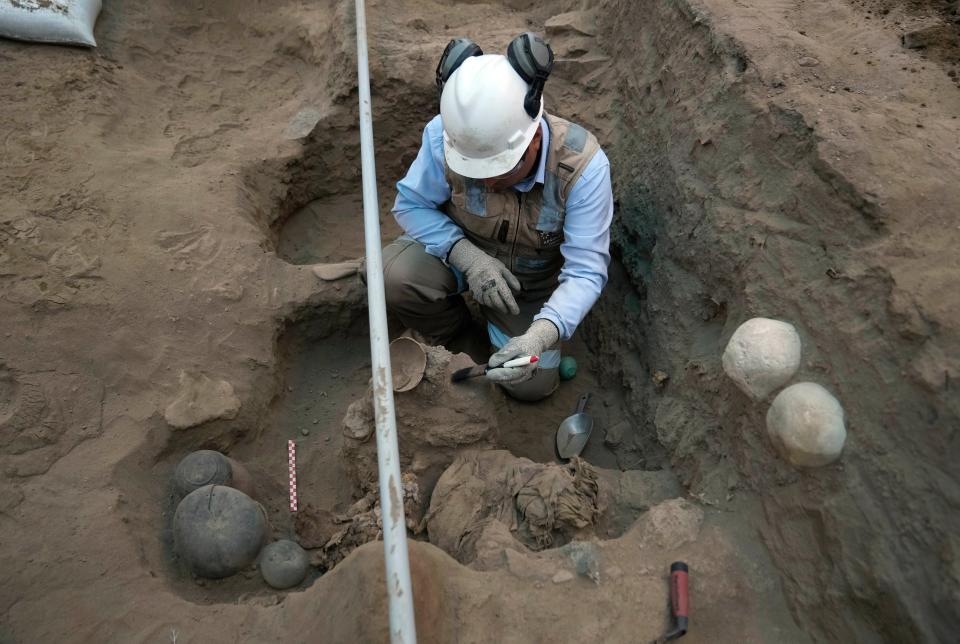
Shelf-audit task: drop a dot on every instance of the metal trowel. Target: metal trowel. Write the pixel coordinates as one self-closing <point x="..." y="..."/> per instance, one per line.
<point x="574" y="431"/>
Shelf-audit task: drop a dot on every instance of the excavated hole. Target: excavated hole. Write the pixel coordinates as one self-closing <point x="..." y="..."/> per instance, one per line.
<point x="311" y="213"/>
<point x="308" y="203"/>
<point x="325" y="230"/>
<point x="323" y="366"/>
<point x="318" y="220"/>
<point x="529" y="429"/>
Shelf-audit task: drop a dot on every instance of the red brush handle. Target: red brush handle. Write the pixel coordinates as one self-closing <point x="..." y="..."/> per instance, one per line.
<point x="679" y="600"/>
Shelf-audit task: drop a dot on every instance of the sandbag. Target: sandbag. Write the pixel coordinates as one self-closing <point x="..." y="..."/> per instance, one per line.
<point x="65" y="22"/>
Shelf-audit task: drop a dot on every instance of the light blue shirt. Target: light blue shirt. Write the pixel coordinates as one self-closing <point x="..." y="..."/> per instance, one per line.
<point x="586" y="226"/>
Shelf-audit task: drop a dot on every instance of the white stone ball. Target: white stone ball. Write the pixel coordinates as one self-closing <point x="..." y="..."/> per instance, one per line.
<point x="805" y="423"/>
<point x="762" y="356"/>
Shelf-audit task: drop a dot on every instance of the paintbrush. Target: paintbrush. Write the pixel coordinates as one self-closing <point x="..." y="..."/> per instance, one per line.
<point x="482" y="369"/>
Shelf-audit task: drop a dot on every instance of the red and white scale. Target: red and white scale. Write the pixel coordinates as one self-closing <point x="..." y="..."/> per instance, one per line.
<point x="292" y="465"/>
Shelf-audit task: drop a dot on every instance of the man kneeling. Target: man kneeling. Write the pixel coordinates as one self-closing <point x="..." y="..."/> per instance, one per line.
<point x="505" y="201"/>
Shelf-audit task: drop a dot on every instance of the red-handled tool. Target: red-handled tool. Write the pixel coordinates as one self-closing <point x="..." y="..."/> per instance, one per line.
<point x="679" y="603"/>
<point x="482" y="369"/>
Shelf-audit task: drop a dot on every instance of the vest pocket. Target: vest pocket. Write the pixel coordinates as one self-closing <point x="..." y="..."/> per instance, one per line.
<point x="472" y="198"/>
<point x="475" y="226"/>
<point x="544" y="239"/>
<point x="536" y="265"/>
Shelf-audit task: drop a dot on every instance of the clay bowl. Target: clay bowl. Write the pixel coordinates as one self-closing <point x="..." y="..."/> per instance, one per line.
<point x="408" y="361"/>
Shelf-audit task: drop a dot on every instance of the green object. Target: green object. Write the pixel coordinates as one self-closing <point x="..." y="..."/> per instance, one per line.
<point x="568" y="368"/>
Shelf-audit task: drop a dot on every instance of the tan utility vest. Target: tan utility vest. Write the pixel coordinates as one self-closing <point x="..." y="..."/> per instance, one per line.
<point x="524" y="230"/>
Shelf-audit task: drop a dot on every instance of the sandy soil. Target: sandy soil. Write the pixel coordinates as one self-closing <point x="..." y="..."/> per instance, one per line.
<point x="162" y="197"/>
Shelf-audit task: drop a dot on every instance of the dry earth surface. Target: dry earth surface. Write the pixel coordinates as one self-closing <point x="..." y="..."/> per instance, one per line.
<point x="163" y="196"/>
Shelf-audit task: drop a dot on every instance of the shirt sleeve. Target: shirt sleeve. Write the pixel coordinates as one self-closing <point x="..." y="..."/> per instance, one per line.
<point x="422" y="191"/>
<point x="585" y="248"/>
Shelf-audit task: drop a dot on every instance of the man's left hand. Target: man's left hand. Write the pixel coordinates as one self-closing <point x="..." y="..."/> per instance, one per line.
<point x="541" y="335"/>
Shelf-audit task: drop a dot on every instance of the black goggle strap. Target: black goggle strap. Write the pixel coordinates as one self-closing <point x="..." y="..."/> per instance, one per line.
<point x="456" y="51"/>
<point x="532" y="58"/>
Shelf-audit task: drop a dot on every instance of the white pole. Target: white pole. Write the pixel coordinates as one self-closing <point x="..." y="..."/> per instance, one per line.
<point x="400" y="592"/>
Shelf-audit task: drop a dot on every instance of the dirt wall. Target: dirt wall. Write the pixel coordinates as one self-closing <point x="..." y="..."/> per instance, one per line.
<point x="739" y="198"/>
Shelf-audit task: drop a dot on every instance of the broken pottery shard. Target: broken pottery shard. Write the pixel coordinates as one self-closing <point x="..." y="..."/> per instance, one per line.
<point x="762" y="356"/>
<point x="334" y="272"/>
<point x="805" y="423"/>
<point x="302" y="124"/>
<point x="199" y="400"/>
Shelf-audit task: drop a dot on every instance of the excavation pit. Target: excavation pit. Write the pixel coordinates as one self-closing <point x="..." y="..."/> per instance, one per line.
<point x="325" y="231"/>
<point x="322" y="379"/>
<point x="322" y="369"/>
<point x="795" y="164"/>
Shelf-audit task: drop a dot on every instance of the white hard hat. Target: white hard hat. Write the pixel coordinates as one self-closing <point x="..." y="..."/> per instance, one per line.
<point x="485" y="126"/>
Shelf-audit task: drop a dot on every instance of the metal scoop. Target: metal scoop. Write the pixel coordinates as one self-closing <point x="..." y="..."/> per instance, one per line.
<point x="574" y="431"/>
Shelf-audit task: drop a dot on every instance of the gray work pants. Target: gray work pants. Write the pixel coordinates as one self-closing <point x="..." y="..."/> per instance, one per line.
<point x="426" y="295"/>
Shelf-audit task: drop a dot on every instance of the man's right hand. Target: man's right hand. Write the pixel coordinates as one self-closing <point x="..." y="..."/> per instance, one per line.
<point x="489" y="280"/>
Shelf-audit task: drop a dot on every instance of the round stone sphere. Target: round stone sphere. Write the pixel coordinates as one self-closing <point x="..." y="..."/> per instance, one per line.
<point x="218" y="531"/>
<point x="203" y="467"/>
<point x="762" y="355"/>
<point x="207" y="467"/>
<point x="568" y="368"/>
<point x="284" y="564"/>
<point x="805" y="423"/>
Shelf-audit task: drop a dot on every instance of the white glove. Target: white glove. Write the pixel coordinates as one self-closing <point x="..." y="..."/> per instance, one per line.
<point x="488" y="279"/>
<point x="541" y="335"/>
